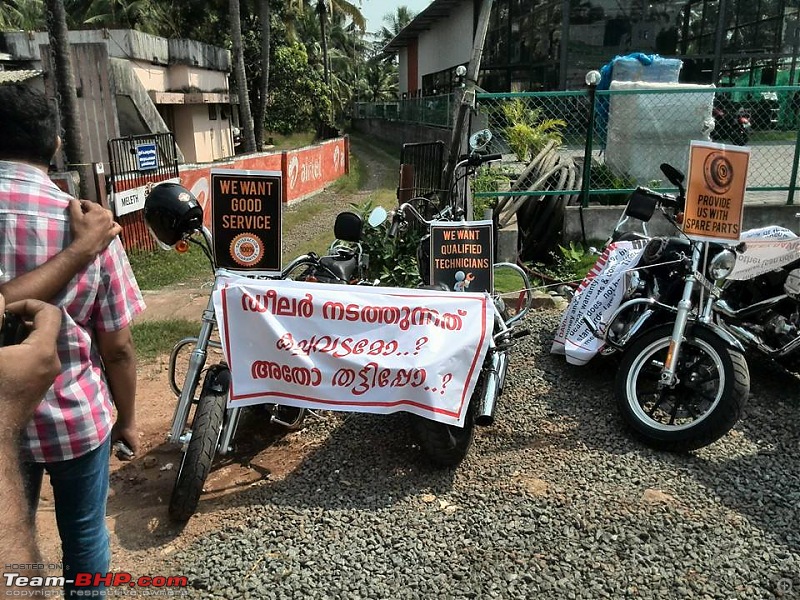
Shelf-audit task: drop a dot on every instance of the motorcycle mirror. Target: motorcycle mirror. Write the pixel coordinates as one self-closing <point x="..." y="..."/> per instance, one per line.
<point x="480" y="139"/>
<point x="675" y="177"/>
<point x="377" y="216"/>
<point x="511" y="286"/>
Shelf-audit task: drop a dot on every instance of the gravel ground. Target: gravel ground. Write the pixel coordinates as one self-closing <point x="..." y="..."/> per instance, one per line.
<point x="554" y="501"/>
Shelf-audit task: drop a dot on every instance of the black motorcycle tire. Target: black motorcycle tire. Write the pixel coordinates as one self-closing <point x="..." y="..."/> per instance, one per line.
<point x="446" y="446"/>
<point x="196" y="461"/>
<point x="718" y="420"/>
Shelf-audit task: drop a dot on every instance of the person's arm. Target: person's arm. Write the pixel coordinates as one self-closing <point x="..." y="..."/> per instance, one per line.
<point x="27" y="370"/>
<point x="119" y="363"/>
<point x="93" y="228"/>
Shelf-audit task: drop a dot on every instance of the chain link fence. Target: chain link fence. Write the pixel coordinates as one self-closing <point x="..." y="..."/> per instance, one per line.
<point x="436" y="111"/>
<point x="546" y="137"/>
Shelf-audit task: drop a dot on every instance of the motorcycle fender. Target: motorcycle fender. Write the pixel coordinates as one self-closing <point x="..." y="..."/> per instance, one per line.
<point x="218" y="379"/>
<point x="720" y="333"/>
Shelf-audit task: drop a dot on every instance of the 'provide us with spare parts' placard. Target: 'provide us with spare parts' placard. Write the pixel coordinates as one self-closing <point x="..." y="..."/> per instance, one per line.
<point x="246" y="220"/>
<point x="715" y="193"/>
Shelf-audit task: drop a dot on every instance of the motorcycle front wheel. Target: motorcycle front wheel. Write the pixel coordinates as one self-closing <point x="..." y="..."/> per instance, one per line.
<point x="713" y="384"/>
<point x="196" y="461"/>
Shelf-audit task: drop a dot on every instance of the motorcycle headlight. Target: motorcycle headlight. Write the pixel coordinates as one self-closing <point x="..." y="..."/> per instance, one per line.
<point x="721" y="265"/>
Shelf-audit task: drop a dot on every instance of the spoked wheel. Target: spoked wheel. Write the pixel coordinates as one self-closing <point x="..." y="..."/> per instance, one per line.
<point x="713" y="384"/>
<point x="196" y="461"/>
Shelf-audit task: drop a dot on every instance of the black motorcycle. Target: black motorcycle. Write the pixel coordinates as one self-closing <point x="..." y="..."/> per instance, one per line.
<point x="682" y="381"/>
<point x="175" y="219"/>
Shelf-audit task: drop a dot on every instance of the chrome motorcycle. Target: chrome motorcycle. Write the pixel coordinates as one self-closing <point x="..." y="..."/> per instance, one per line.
<point x="682" y="381"/>
<point x="447" y="445"/>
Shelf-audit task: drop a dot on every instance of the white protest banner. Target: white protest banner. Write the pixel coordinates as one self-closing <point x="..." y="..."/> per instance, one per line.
<point x="352" y="348"/>
<point x="765" y="249"/>
<point x="598" y="296"/>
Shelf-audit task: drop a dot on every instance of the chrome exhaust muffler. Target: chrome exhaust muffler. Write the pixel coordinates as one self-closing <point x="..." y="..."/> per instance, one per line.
<point x="492" y="388"/>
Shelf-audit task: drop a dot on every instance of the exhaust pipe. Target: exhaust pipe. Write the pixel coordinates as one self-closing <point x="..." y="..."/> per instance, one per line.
<point x="492" y="388"/>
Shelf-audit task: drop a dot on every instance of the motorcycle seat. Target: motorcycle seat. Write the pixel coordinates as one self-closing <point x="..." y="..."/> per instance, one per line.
<point x="343" y="266"/>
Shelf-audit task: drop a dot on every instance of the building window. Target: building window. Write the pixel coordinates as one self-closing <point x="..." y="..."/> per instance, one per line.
<point x="212" y="112"/>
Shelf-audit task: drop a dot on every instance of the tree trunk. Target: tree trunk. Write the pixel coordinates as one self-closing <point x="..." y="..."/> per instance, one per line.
<point x="261" y="109"/>
<point x="322" y="11"/>
<point x="65" y="91"/>
<point x="246" y="117"/>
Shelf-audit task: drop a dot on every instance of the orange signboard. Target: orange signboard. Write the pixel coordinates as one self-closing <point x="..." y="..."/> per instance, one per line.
<point x="715" y="193"/>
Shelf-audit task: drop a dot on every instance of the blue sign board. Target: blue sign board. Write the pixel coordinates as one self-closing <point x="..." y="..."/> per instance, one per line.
<point x="146" y="157"/>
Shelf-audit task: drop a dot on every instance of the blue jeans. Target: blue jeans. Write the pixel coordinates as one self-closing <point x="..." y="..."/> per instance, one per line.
<point x="80" y="491"/>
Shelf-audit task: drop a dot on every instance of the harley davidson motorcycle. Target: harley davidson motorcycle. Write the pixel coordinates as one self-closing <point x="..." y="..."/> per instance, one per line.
<point x="664" y="304"/>
<point x="447" y="445"/>
<point x="175" y="220"/>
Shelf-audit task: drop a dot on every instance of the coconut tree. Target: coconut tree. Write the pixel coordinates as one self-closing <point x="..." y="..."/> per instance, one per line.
<point x="65" y="85"/>
<point x="22" y="15"/>
<point x="325" y="8"/>
<point x="248" y="133"/>
<point x="393" y="23"/>
<point x="264" y="17"/>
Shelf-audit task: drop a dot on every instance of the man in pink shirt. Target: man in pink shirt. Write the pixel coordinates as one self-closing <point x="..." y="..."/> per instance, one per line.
<point x="73" y="427"/>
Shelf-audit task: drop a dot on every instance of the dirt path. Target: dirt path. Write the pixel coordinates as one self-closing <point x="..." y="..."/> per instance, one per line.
<point x="142" y="537"/>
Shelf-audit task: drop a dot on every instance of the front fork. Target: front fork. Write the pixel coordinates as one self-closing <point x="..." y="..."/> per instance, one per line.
<point x="197" y="361"/>
<point x="669" y="377"/>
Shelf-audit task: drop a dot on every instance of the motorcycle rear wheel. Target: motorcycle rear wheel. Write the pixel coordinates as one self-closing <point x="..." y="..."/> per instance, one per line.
<point x="196" y="461"/>
<point x="708" y="400"/>
<point x="446" y="446"/>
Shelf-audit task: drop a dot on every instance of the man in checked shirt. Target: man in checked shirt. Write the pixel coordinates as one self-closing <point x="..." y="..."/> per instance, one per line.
<point x="73" y="427"/>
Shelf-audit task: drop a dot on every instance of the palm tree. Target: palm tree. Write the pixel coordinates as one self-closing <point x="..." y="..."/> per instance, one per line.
<point x="264" y="17"/>
<point x="334" y="7"/>
<point x="22" y="15"/>
<point x="248" y="133"/>
<point x="381" y="81"/>
<point x="65" y="85"/>
<point x="394" y="23"/>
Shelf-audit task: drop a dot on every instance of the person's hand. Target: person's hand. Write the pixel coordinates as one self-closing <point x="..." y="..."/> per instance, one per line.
<point x="27" y="370"/>
<point x="92" y="226"/>
<point x="126" y="433"/>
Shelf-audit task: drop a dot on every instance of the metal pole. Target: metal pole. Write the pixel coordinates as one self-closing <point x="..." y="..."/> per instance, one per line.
<point x="467" y="97"/>
<point x="793" y="180"/>
<point x="587" y="150"/>
<point x="721" y="21"/>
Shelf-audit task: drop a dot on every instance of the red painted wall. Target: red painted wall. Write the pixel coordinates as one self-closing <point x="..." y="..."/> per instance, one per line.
<point x="305" y="171"/>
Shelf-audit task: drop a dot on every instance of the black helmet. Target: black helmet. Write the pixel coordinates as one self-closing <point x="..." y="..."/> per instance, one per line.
<point x="172" y="211"/>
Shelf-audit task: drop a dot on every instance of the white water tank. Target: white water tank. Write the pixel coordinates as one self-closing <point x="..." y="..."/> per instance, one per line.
<point x="649" y="128"/>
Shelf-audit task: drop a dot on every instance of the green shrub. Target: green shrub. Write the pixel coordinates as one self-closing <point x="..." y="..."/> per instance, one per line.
<point x="527" y="132"/>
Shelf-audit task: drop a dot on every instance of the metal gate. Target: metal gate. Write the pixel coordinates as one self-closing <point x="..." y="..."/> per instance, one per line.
<point x="425" y="176"/>
<point x="136" y="161"/>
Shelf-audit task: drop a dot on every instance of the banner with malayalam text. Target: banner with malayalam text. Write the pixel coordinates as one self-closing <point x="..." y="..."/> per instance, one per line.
<point x="352" y="348"/>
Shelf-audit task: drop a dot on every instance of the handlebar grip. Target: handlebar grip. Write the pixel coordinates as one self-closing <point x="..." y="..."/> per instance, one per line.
<point x="394" y="226"/>
<point x="490" y="157"/>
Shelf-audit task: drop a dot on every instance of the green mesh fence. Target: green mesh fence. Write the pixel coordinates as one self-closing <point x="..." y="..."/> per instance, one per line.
<point x="545" y="138"/>
<point x="428" y="110"/>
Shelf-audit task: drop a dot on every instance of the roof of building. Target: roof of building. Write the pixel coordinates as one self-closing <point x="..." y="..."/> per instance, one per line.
<point x="436" y="11"/>
<point x="18" y="76"/>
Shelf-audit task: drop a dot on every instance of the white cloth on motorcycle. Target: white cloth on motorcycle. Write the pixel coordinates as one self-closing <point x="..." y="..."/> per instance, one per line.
<point x="598" y="296"/>
<point x="601" y="293"/>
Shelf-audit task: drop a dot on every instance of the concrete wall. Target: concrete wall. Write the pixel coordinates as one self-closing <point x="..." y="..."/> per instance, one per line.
<point x="128" y="44"/>
<point x="448" y="42"/>
<point x="403" y="70"/>
<point x="184" y="76"/>
<point x="599" y="221"/>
